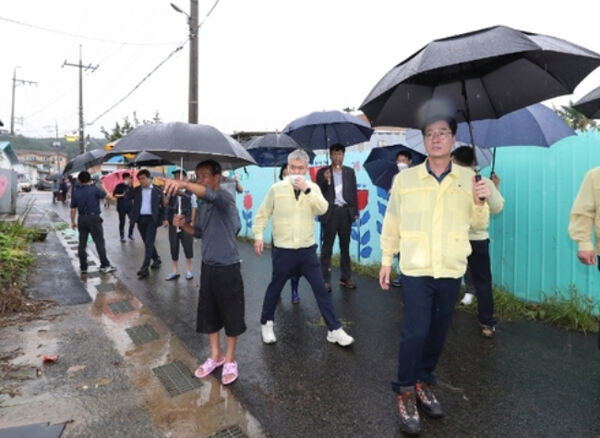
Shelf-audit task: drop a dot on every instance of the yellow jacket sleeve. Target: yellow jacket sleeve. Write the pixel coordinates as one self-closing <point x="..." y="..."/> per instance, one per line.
<point x="495" y="201"/>
<point x="262" y="215"/>
<point x="390" y="232"/>
<point x="480" y="217"/>
<point x="583" y="213"/>
<point x="318" y="203"/>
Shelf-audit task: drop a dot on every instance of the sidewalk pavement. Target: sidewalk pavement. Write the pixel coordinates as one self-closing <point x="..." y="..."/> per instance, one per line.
<point x="103" y="384"/>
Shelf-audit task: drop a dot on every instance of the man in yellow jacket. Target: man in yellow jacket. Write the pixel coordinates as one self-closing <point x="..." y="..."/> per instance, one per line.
<point x="585" y="218"/>
<point x="294" y="203"/>
<point x="431" y="209"/>
<point x="478" y="278"/>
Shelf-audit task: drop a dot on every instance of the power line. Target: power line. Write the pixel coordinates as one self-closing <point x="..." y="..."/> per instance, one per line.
<point x="138" y="84"/>
<point x="100" y="40"/>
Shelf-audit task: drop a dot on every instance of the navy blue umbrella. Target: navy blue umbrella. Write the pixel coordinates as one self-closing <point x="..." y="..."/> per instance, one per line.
<point x="535" y="125"/>
<point x="271" y="150"/>
<point x="322" y="129"/>
<point x="381" y="164"/>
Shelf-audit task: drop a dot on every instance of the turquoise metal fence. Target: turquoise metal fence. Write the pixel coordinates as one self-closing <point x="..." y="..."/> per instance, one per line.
<point x="531" y="252"/>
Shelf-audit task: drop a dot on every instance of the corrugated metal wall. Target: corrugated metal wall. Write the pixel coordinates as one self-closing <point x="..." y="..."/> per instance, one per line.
<point x="531" y="252"/>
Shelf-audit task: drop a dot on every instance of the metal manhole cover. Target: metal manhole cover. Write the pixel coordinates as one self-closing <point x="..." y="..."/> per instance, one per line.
<point x="117" y="307"/>
<point x="106" y="287"/>
<point x="142" y="334"/>
<point x="176" y="378"/>
<point x="230" y="432"/>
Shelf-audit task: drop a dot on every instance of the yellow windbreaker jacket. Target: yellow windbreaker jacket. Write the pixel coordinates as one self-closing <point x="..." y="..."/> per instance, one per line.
<point x="585" y="213"/>
<point x="428" y="222"/>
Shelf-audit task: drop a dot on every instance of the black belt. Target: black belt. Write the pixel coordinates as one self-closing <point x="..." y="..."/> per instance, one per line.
<point x="340" y="206"/>
<point x="89" y="214"/>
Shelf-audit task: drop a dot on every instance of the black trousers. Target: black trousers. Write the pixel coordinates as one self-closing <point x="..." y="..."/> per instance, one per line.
<point x="479" y="275"/>
<point x="122" y="214"/>
<point x="339" y="224"/>
<point x="91" y="224"/>
<point x="186" y="239"/>
<point x="147" y="229"/>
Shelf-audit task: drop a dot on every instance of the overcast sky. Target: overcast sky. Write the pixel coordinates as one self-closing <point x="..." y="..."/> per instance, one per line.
<point x="262" y="63"/>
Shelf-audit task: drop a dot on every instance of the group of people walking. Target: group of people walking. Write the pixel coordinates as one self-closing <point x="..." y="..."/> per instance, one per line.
<point x="436" y="223"/>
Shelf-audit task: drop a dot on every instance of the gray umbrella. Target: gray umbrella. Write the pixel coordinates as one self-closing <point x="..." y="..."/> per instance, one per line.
<point x="483" y="74"/>
<point x="589" y="105"/>
<point x="85" y="161"/>
<point x="177" y="140"/>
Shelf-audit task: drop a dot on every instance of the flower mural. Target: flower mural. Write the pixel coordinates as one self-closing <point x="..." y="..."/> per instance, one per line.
<point x="364" y="250"/>
<point x="382" y="196"/>
<point x="247" y="212"/>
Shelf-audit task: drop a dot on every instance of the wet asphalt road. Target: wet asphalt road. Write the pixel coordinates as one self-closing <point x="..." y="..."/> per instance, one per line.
<point x="531" y="380"/>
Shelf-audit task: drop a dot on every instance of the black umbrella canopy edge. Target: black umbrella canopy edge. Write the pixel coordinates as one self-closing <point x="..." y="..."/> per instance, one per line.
<point x="589" y="105"/>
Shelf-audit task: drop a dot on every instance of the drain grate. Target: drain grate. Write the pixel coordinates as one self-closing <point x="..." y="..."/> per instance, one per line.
<point x="92" y="263"/>
<point x="142" y="334"/>
<point x="106" y="287"/>
<point x="117" y="307"/>
<point x="176" y="378"/>
<point x="230" y="432"/>
<point x="94" y="274"/>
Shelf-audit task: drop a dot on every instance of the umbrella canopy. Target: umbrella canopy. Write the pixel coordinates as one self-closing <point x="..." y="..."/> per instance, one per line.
<point x="85" y="161"/>
<point x="483" y="75"/>
<point x="55" y="177"/>
<point x="535" y="125"/>
<point x="414" y="140"/>
<point x="589" y="105"/>
<point x="322" y="129"/>
<point x="148" y="159"/>
<point x="381" y="164"/>
<point x="271" y="150"/>
<point x="177" y="140"/>
<point x="111" y="180"/>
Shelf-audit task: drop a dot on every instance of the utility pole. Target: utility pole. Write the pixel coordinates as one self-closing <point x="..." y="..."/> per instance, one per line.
<point x="192" y="19"/>
<point x="82" y="145"/>
<point x="15" y="82"/>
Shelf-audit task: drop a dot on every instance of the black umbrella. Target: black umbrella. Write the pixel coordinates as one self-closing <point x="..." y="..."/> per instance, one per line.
<point x="192" y="143"/>
<point x="85" y="161"/>
<point x="273" y="149"/>
<point x="321" y="129"/>
<point x="483" y="74"/>
<point x="589" y="105"/>
<point x="148" y="159"/>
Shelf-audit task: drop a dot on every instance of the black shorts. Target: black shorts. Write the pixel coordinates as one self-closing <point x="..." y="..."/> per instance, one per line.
<point x="221" y="301"/>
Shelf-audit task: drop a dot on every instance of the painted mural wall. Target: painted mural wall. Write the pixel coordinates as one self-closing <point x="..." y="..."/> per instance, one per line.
<point x="531" y="252"/>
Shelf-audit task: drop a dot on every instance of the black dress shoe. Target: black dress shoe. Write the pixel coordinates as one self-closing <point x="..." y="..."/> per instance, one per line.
<point x="347" y="284"/>
<point x="156" y="264"/>
<point x="142" y="269"/>
<point x="143" y="274"/>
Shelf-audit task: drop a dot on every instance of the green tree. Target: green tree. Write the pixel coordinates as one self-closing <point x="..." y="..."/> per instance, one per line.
<point x="125" y="127"/>
<point x="574" y="118"/>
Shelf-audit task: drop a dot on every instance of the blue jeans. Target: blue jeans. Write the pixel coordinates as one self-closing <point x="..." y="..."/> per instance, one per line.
<point x="428" y="307"/>
<point x="288" y="263"/>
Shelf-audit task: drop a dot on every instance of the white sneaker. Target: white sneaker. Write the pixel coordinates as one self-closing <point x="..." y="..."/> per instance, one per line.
<point x="339" y="336"/>
<point x="107" y="269"/>
<point x="467" y="299"/>
<point x="268" y="335"/>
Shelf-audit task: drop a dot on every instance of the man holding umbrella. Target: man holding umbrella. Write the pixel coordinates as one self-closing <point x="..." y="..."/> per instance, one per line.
<point x="431" y="209"/>
<point x="338" y="185"/>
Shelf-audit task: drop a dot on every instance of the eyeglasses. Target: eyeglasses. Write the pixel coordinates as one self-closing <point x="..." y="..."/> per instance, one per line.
<point x="442" y="133"/>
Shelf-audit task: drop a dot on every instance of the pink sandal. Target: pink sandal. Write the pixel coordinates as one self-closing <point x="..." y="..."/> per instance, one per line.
<point x="229" y="369"/>
<point x="208" y="367"/>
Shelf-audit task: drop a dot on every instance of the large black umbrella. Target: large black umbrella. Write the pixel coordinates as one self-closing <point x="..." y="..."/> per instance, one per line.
<point x="483" y="74"/>
<point x="273" y="149"/>
<point x="192" y="143"/>
<point x="85" y="161"/>
<point x="589" y="105"/>
<point x="322" y="129"/>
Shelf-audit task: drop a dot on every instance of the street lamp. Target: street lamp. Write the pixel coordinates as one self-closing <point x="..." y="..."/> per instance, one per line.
<point x="192" y="20"/>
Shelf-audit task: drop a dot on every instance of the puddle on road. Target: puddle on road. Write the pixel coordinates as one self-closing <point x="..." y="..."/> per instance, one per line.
<point x="198" y="412"/>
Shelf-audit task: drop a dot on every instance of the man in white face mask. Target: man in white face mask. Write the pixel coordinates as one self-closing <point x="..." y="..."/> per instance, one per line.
<point x="403" y="161"/>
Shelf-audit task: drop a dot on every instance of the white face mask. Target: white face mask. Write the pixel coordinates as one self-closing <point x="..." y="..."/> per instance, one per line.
<point x="401" y="166"/>
<point x="292" y="178"/>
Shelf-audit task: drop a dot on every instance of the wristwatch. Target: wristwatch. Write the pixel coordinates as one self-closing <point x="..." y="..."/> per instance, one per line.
<point x="307" y="191"/>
